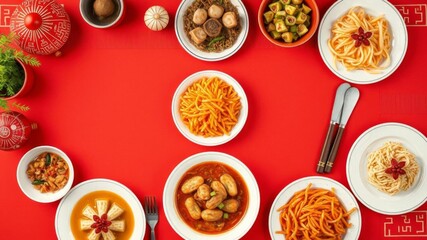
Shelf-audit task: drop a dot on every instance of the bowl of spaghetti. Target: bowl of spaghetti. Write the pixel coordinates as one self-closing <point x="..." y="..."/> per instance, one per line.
<point x="315" y="207"/>
<point x="209" y="108"/>
<point x="362" y="42"/>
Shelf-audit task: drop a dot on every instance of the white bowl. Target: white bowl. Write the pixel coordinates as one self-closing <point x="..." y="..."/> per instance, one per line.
<point x="169" y="203"/>
<point x="25" y="183"/>
<point x="209" y="141"/>
<point x="86" y="10"/>
<point x="210" y="56"/>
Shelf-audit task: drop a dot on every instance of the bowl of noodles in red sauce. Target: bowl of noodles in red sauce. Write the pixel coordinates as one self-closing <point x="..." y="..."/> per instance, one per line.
<point x="211" y="195"/>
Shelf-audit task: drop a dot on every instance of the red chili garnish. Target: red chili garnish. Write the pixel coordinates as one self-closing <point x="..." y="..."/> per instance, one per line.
<point x="101" y="223"/>
<point x="396" y="168"/>
<point x="95" y="218"/>
<point x="361" y="37"/>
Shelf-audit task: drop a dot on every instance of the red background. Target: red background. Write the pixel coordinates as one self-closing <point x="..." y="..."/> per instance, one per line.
<point x="107" y="104"/>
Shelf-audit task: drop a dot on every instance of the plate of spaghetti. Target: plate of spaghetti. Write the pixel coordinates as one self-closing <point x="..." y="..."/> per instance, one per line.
<point x="386" y="168"/>
<point x="315" y="208"/>
<point x="362" y="42"/>
<point x="209" y="108"/>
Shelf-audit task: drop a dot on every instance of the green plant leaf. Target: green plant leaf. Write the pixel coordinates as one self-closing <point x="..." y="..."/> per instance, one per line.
<point x="21" y="107"/>
<point x="4" y="105"/>
<point x="11" y="72"/>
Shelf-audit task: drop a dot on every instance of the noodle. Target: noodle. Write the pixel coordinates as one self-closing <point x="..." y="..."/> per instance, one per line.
<point x="230" y="35"/>
<point x="382" y="159"/>
<point x="210" y="107"/>
<point x="314" y="213"/>
<point x="372" y="57"/>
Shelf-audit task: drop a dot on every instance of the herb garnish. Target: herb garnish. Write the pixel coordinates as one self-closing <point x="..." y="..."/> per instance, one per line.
<point x="38" y="182"/>
<point x="48" y="159"/>
<point x="217" y="39"/>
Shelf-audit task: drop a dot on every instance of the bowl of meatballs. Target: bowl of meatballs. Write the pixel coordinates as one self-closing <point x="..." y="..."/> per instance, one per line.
<point x="211" y="195"/>
<point x="211" y="30"/>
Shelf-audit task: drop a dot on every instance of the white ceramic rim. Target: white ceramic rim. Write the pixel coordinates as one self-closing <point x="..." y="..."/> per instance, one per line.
<point x="25" y="183"/>
<point x="65" y="207"/>
<point x="209" y="141"/>
<point x="119" y="17"/>
<point x="205" y="56"/>
<point x="357" y="175"/>
<point x="343" y="194"/>
<point x="173" y="216"/>
<point x="375" y="8"/>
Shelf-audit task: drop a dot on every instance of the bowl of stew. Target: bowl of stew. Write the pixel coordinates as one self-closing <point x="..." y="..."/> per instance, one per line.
<point x="211" y="30"/>
<point x="288" y="23"/>
<point x="45" y="174"/>
<point x="211" y="195"/>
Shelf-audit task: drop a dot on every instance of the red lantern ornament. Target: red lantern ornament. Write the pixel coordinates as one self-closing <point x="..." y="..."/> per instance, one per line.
<point x="15" y="130"/>
<point x="43" y="26"/>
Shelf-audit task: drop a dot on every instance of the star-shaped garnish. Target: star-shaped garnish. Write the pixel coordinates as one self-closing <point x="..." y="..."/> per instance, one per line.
<point x="396" y="168"/>
<point x="101" y="223"/>
<point x="361" y="37"/>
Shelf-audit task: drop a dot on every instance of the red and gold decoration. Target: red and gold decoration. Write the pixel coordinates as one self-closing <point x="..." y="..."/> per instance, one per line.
<point x="15" y="130"/>
<point x="43" y="26"/>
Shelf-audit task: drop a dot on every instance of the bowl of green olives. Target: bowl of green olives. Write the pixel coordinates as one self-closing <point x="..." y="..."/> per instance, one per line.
<point x="288" y="23"/>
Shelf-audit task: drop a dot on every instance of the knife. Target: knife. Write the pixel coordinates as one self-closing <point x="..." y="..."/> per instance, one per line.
<point x="350" y="99"/>
<point x="335" y="119"/>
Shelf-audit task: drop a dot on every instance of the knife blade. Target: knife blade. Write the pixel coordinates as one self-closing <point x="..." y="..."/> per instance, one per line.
<point x="350" y="100"/>
<point x="335" y="119"/>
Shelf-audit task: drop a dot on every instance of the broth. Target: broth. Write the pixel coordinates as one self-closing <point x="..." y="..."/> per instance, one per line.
<point x="89" y="199"/>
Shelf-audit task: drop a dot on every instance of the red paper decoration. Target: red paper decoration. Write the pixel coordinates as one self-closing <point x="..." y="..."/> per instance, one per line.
<point x="43" y="26"/>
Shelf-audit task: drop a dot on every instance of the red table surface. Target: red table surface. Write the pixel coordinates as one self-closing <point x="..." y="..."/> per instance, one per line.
<point x="107" y="104"/>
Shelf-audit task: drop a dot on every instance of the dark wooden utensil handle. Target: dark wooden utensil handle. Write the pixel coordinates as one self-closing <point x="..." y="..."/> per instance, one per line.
<point x="334" y="150"/>
<point x="326" y="147"/>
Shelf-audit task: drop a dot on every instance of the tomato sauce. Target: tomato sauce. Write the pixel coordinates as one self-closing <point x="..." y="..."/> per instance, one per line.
<point x="211" y="171"/>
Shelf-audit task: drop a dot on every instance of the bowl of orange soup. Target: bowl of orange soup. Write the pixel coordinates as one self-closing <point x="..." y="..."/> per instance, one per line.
<point x="211" y="195"/>
<point x="100" y="209"/>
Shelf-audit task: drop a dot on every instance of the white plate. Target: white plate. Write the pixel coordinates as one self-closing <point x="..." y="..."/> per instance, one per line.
<point x="343" y="194"/>
<point x="209" y="141"/>
<point x="357" y="173"/>
<point x="169" y="202"/>
<point x="206" y="56"/>
<point x="374" y="8"/>
<point x="63" y="213"/>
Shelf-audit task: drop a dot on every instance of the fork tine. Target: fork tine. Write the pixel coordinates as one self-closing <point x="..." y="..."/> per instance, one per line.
<point x="150" y="205"/>
<point x="146" y="205"/>
<point x="155" y="205"/>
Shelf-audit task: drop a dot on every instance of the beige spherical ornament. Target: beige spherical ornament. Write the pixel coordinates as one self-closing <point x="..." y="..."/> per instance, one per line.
<point x="156" y="18"/>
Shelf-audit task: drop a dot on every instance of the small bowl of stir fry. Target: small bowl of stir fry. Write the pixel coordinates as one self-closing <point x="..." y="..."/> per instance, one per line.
<point x="288" y="23"/>
<point x="45" y="174"/>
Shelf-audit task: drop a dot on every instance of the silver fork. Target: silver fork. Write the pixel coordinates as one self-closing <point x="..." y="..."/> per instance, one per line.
<point x="151" y="213"/>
